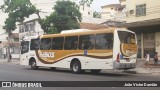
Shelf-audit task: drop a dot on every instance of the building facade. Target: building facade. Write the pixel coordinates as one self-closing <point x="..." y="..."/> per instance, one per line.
<point x="113" y="12"/>
<point x="143" y="17"/>
<point x="30" y="28"/>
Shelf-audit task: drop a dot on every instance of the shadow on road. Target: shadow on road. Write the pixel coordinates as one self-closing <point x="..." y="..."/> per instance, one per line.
<point x="87" y="72"/>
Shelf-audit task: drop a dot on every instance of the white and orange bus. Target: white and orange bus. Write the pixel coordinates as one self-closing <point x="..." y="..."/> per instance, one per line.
<point x="81" y="50"/>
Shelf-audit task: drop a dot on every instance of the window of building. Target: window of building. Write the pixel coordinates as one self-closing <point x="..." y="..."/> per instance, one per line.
<point x="89" y="13"/>
<point x="26" y="28"/>
<point x="71" y="43"/>
<point x="21" y="29"/>
<point x="57" y="43"/>
<point x="32" y="27"/>
<point x="35" y="44"/>
<point x="45" y="44"/>
<point x="104" y="41"/>
<point x="86" y="42"/>
<point x="141" y="10"/>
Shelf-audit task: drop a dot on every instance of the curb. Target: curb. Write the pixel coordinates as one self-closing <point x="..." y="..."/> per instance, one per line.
<point x="16" y="62"/>
<point x="142" y="71"/>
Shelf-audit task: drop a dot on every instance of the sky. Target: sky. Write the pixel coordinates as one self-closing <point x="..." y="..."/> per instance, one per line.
<point x="96" y="5"/>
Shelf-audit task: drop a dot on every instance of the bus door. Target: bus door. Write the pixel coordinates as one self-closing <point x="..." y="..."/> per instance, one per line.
<point x="24" y="52"/>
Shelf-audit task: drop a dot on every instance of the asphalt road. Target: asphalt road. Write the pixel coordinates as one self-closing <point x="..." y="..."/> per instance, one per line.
<point x="24" y="73"/>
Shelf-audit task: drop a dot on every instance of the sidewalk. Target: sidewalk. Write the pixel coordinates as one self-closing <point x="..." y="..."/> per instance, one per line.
<point x="140" y="68"/>
<point x="13" y="61"/>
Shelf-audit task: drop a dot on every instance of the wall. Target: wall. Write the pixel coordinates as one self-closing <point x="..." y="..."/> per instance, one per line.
<point x="157" y="44"/>
<point x="152" y="11"/>
<point x="107" y="13"/>
<point x="86" y="11"/>
<point x="123" y="2"/>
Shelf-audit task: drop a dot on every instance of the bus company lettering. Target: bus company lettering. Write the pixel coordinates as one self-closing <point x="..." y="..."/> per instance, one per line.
<point x="47" y="54"/>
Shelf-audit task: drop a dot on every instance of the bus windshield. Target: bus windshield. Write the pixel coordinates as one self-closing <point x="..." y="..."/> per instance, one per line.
<point x="25" y="47"/>
<point x="126" y="37"/>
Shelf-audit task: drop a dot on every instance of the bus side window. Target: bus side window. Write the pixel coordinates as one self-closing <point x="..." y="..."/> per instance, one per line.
<point x="57" y="43"/>
<point x="104" y="41"/>
<point x="45" y="44"/>
<point x="71" y="43"/>
<point x="86" y="42"/>
<point x="34" y="44"/>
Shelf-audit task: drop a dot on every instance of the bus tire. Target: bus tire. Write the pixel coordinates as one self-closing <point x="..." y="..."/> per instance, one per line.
<point x="33" y="65"/>
<point x="96" y="71"/>
<point x="76" y="67"/>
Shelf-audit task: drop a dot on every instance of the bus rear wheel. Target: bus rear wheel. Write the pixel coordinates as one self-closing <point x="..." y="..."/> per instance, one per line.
<point x="95" y="71"/>
<point x="76" y="67"/>
<point x="34" y="65"/>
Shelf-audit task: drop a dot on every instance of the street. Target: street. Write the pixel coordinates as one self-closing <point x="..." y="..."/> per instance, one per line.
<point x="24" y="73"/>
<point x="12" y="72"/>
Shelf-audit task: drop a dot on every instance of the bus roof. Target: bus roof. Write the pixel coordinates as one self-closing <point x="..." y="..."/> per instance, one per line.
<point x="81" y="32"/>
<point x="74" y="31"/>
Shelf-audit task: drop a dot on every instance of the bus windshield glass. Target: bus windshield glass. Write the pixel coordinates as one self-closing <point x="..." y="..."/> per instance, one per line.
<point x="126" y="37"/>
<point x="25" y="47"/>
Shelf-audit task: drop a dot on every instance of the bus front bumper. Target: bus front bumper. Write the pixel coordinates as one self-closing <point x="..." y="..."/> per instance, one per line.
<point x="117" y="65"/>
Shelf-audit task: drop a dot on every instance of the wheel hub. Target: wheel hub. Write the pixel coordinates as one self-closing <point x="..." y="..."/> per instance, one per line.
<point x="75" y="67"/>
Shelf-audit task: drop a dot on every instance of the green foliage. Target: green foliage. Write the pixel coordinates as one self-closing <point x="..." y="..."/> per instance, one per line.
<point x="9" y="25"/>
<point x="18" y="10"/>
<point x="96" y="14"/>
<point x="88" y="2"/>
<point x="65" y="17"/>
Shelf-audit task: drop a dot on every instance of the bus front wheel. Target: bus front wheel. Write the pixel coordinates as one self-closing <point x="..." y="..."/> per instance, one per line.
<point x="76" y="67"/>
<point x="33" y="65"/>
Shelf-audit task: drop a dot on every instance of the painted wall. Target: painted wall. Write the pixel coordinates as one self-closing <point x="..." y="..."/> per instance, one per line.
<point x="157" y="43"/>
<point x="152" y="10"/>
<point x="123" y="2"/>
<point x="108" y="13"/>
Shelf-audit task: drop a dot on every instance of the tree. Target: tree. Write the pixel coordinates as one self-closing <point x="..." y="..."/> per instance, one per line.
<point x="17" y="11"/>
<point x="88" y="2"/>
<point x="66" y="16"/>
<point x="96" y="14"/>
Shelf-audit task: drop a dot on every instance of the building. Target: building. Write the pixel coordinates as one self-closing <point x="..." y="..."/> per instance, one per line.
<point x="123" y="3"/>
<point x="143" y="17"/>
<point x="86" y="11"/>
<point x="113" y="12"/>
<point x="30" y="28"/>
<point x="14" y="44"/>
